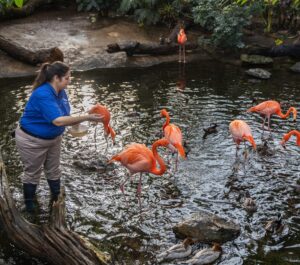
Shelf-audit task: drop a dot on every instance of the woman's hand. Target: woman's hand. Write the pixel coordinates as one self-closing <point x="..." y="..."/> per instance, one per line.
<point x="95" y="117"/>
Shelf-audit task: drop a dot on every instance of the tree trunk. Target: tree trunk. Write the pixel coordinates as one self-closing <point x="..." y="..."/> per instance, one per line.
<point x="53" y="242"/>
<point x="134" y="47"/>
<point x="26" y="10"/>
<point x="28" y="56"/>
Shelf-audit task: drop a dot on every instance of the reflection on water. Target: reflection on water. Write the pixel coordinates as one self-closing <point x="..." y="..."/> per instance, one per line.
<point x="212" y="178"/>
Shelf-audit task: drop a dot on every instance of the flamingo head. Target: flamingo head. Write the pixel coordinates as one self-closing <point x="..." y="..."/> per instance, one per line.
<point x="216" y="247"/>
<point x="163" y="113"/>
<point x="285" y="138"/>
<point x="187" y="242"/>
<point x="294" y="113"/>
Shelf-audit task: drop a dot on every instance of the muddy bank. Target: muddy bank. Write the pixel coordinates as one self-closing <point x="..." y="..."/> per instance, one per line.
<point x="83" y="42"/>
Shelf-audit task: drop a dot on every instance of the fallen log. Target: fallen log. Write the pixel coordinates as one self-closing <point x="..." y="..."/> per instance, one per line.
<point x="134" y="47"/>
<point x="31" y="57"/>
<point x="54" y="242"/>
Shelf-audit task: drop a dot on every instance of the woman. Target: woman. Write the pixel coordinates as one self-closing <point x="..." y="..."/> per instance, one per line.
<point x="38" y="138"/>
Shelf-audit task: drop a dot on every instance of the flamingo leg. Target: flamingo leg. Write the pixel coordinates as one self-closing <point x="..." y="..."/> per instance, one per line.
<point x="264" y="121"/>
<point x="139" y="190"/>
<point x="123" y="183"/>
<point x="269" y="121"/>
<point x="184" y="54"/>
<point x="95" y="135"/>
<point x="106" y="149"/>
<point x="176" y="162"/>
<point x="179" y="54"/>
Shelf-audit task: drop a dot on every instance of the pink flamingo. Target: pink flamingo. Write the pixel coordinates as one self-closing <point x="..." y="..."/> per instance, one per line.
<point x="287" y="136"/>
<point x="241" y="132"/>
<point x="137" y="158"/>
<point x="181" y="39"/>
<point x="270" y="107"/>
<point x="108" y="130"/>
<point x="173" y="134"/>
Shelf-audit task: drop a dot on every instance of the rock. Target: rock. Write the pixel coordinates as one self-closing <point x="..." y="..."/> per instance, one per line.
<point x="259" y="73"/>
<point x="255" y="59"/>
<point x="207" y="227"/>
<point x="296" y="67"/>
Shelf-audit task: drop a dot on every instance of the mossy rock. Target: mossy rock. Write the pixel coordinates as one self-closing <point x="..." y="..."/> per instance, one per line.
<point x="255" y="59"/>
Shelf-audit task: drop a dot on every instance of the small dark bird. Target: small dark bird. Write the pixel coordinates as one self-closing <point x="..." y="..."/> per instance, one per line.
<point x="275" y="225"/>
<point x="249" y="204"/>
<point x="211" y="129"/>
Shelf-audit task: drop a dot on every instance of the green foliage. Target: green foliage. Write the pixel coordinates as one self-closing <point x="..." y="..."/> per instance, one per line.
<point x="4" y="4"/>
<point x="154" y="11"/>
<point x="224" y="20"/>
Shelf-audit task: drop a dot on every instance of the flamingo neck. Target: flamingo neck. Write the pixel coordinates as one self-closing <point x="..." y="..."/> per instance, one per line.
<point x="284" y="116"/>
<point x="250" y="139"/>
<point x="167" y="120"/>
<point x="293" y="132"/>
<point x="162" y="166"/>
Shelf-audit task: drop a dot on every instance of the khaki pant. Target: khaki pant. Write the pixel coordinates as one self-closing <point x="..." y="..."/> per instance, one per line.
<point x="37" y="154"/>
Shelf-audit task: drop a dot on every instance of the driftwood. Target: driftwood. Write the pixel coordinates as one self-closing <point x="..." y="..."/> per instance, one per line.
<point x="20" y="53"/>
<point x="53" y="242"/>
<point x="134" y="47"/>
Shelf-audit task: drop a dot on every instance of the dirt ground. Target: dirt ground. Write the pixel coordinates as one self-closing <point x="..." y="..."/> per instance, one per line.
<point x="82" y="41"/>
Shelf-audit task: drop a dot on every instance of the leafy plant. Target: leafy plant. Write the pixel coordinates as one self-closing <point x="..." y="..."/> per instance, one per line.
<point x="225" y="20"/>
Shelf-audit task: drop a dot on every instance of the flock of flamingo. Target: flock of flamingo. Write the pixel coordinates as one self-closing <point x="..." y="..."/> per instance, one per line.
<point x="241" y="131"/>
<point x="138" y="158"/>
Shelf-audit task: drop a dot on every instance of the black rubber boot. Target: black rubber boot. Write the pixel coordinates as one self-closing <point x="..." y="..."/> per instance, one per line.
<point x="54" y="188"/>
<point x="29" y="190"/>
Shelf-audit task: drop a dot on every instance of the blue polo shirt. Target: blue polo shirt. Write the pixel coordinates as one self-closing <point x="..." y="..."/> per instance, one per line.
<point x="44" y="106"/>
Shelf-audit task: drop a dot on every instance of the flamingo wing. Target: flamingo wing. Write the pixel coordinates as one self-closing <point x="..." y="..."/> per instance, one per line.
<point x="137" y="158"/>
<point x="173" y="134"/>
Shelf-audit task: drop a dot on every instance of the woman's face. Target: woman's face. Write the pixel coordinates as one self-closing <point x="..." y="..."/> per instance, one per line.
<point x="63" y="82"/>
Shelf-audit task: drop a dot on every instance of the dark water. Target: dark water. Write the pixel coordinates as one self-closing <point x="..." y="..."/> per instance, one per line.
<point x="212" y="178"/>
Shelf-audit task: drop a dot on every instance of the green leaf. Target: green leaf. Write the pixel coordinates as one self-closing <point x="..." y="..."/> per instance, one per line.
<point x="19" y="3"/>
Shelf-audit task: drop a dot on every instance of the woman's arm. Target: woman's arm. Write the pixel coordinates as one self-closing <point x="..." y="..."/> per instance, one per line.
<point x="69" y="120"/>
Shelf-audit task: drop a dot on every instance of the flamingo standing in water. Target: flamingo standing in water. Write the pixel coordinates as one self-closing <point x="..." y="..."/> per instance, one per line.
<point x="270" y="107"/>
<point x="138" y="158"/>
<point x="181" y="39"/>
<point x="241" y="132"/>
<point x="108" y="130"/>
<point x="173" y="134"/>
<point x="287" y="136"/>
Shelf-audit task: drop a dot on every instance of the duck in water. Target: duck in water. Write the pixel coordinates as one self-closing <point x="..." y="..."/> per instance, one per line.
<point x="206" y="256"/>
<point x="178" y="251"/>
<point x="275" y="225"/>
<point x="211" y="129"/>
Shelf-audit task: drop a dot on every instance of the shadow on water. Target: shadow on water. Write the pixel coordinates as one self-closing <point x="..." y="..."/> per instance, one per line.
<point x="212" y="178"/>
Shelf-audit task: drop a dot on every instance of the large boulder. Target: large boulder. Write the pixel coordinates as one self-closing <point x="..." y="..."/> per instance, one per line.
<point x="207" y="227"/>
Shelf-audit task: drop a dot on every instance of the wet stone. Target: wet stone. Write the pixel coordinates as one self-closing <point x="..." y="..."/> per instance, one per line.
<point x="259" y="73"/>
<point x="207" y="227"/>
<point x="296" y="67"/>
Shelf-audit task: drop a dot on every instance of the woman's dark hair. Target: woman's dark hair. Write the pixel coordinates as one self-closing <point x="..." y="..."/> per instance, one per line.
<point x="48" y="71"/>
